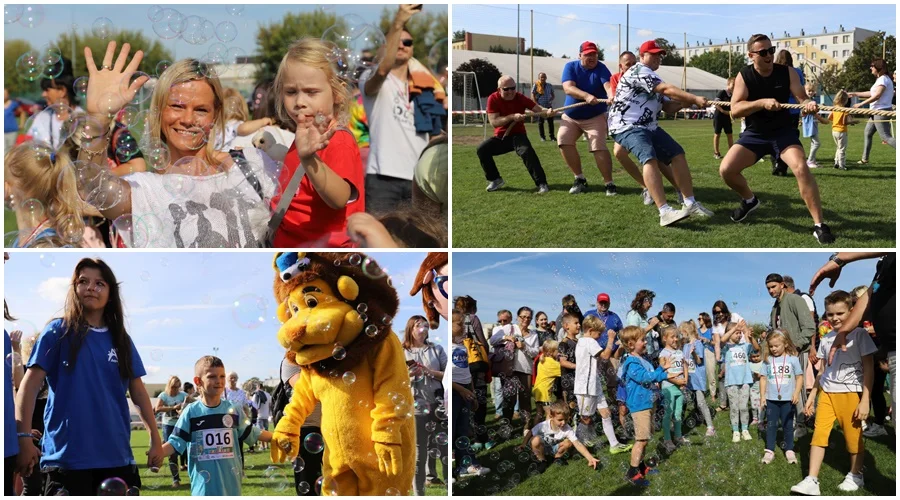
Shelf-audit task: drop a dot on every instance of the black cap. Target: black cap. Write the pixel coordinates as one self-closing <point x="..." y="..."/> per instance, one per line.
<point x="774" y="277"/>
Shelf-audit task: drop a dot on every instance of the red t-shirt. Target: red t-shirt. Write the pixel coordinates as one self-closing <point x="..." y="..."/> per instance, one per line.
<point x="309" y="222"/>
<point x="518" y="104"/>
<point x="613" y="83"/>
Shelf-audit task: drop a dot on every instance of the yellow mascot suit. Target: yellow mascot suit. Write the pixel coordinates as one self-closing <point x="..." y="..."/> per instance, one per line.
<point x="337" y="310"/>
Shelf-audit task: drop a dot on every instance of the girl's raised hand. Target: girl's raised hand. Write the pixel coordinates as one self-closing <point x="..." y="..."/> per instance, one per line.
<point x="110" y="88"/>
<point x="313" y="134"/>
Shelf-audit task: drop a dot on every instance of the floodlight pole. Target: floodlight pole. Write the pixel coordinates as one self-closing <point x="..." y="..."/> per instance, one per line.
<point x="627" y="27"/>
<point x="518" y="44"/>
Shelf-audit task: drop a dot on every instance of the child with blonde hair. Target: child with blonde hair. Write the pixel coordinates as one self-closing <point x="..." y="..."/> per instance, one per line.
<point x="547" y="373"/>
<point x="839" y="121"/>
<point x="780" y="384"/>
<point x="322" y="171"/>
<point x="555" y="437"/>
<point x="673" y="399"/>
<point x="237" y="120"/>
<point x="811" y="127"/>
<point x="738" y="379"/>
<point x="695" y="363"/>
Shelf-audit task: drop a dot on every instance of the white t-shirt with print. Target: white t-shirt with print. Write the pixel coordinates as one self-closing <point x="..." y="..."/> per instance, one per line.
<point x="587" y="371"/>
<point x="636" y="105"/>
<point x="883" y="102"/>
<point x="553" y="437"/>
<point x="845" y="373"/>
<point x="394" y="145"/>
<point x="677" y="357"/>
<point x="215" y="211"/>
<point x="46" y="127"/>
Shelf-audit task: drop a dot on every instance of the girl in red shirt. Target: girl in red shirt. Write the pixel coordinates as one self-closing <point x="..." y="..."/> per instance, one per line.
<point x="310" y="94"/>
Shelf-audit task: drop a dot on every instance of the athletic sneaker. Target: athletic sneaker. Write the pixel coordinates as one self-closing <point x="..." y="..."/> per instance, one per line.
<point x="698" y="209"/>
<point x="683" y="441"/>
<point x="610" y="189"/>
<point x="809" y="486"/>
<point x="741" y="212"/>
<point x="717" y="156"/>
<point x="637" y="479"/>
<point x="543" y="189"/>
<point x="746" y="435"/>
<point x="840" y="167"/>
<point x="875" y="430"/>
<point x="670" y="217"/>
<point x="645" y="197"/>
<point x="496" y="184"/>
<point x="543" y="140"/>
<point x="475" y="470"/>
<point x="812" y="164"/>
<point x="790" y="456"/>
<point x="862" y="162"/>
<point x="620" y="448"/>
<point x="823" y="234"/>
<point x="735" y="437"/>
<point x="768" y="456"/>
<point x="579" y="186"/>
<point x="710" y="431"/>
<point x="669" y="446"/>
<point x="852" y="482"/>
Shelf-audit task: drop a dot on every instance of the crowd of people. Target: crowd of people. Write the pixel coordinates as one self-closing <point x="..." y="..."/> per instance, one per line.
<point x="638" y="96"/>
<point x="646" y="372"/>
<point x="202" y="172"/>
<point x="68" y="421"/>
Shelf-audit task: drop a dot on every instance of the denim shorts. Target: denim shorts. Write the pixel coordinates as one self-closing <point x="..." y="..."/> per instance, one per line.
<point x="550" y="450"/>
<point x="649" y="144"/>
<point x="770" y="144"/>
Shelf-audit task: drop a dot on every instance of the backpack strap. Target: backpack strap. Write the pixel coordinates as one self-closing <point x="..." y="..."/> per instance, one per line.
<point x="245" y="169"/>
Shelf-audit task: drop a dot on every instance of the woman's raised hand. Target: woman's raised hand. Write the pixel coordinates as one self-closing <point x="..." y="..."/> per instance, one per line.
<point x="110" y="88"/>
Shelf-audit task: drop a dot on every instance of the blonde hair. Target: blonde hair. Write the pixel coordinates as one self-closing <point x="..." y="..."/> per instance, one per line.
<point x="235" y="105"/>
<point x="558" y="407"/>
<point x="312" y="52"/>
<point x="630" y="335"/>
<point x="169" y="390"/>
<point x="184" y="71"/>
<point x="789" y="347"/>
<point x="549" y="347"/>
<point x="49" y="179"/>
<point x="689" y="330"/>
<point x="841" y="98"/>
<point x="592" y="323"/>
<point x="667" y="331"/>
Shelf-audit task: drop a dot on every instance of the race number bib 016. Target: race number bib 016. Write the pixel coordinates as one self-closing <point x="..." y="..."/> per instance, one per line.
<point x="738" y="357"/>
<point x="216" y="444"/>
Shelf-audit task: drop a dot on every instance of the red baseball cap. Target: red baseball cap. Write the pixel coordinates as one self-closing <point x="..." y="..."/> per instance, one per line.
<point x="588" y="48"/>
<point x="603" y="298"/>
<point x="651" y="47"/>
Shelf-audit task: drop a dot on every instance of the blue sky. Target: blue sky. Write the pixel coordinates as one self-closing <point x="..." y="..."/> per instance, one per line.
<point x="179" y="306"/>
<point x="58" y="18"/>
<point x="691" y="281"/>
<point x="560" y="28"/>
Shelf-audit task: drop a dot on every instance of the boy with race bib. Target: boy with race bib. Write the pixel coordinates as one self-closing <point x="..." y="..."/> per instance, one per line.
<point x="211" y="430"/>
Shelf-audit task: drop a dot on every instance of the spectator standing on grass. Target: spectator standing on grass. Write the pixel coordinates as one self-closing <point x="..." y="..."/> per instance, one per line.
<point x="543" y="94"/>
<point x="170" y="402"/>
<point x="723" y="320"/>
<point x="637" y="316"/>
<point x="878" y="97"/>
<point x="722" y="119"/>
<point x="261" y="401"/>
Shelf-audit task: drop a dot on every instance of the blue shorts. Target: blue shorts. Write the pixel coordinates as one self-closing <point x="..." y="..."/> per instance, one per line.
<point x="649" y="144"/>
<point x="770" y="144"/>
<point x="550" y="450"/>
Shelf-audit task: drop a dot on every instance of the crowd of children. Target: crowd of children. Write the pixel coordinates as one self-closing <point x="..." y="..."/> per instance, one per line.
<point x="760" y="369"/>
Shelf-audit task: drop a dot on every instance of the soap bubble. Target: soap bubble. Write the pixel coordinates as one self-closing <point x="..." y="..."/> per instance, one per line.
<point x="226" y="31"/>
<point x="249" y="311"/>
<point x="204" y="476"/>
<point x="303" y="488"/>
<point x="47" y="260"/>
<point x="29" y="66"/>
<point x="392" y="492"/>
<point x="162" y="66"/>
<point x="32" y="17"/>
<point x="12" y="13"/>
<point x="144" y="91"/>
<point x="349" y="378"/>
<point x="171" y="24"/>
<point x="299" y="465"/>
<point x="155" y="13"/>
<point x="441" y="439"/>
<point x="438" y="59"/>
<point x="355" y="48"/>
<point x="326" y="486"/>
<point x="81" y="86"/>
<point x="102" y="28"/>
<point x="371" y="269"/>
<point x="156" y="155"/>
<point x="112" y="487"/>
<point x="314" y="443"/>
<point x="70" y="229"/>
<point x="126" y="231"/>
<point x="362" y="308"/>
<point x="339" y="352"/>
<point x="235" y="10"/>
<point x="134" y="491"/>
<point x="372" y="330"/>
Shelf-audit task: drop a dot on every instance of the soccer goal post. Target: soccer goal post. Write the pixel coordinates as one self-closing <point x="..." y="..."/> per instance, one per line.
<point x="467" y="105"/>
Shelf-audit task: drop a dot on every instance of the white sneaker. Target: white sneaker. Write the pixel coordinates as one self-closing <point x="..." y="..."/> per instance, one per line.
<point x="543" y="189"/>
<point x="496" y="184"/>
<point x="670" y="217"/>
<point x="852" y="482"/>
<point x="875" y="430"/>
<point x="809" y="486"/>
<point x="698" y="209"/>
<point x="812" y="164"/>
<point x="735" y="437"/>
<point x="746" y="435"/>
<point x="645" y="197"/>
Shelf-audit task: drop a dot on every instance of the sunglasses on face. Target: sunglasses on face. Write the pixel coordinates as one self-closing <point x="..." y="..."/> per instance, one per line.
<point x="441" y="281"/>
<point x="764" y="52"/>
<point x="508" y="89"/>
<point x="407" y="42"/>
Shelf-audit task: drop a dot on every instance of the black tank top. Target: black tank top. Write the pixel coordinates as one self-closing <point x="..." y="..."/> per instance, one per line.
<point x="778" y="86"/>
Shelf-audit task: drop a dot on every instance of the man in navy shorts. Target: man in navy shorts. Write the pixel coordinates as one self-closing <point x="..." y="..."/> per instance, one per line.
<point x="759" y="91"/>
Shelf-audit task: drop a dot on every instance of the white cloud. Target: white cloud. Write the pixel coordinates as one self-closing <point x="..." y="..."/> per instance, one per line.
<point x="54" y="289"/>
<point x="164" y="323"/>
<point x="644" y="32"/>
<point x="502" y="263"/>
<point x="566" y="19"/>
<point x="152" y="369"/>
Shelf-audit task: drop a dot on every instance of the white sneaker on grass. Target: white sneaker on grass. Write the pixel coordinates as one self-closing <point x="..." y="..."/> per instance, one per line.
<point x="852" y="482"/>
<point x="645" y="197"/>
<point x="809" y="486"/>
<point x="698" y="209"/>
<point x="735" y="437"/>
<point x="746" y="435"/>
<point x="672" y="216"/>
<point x="496" y="184"/>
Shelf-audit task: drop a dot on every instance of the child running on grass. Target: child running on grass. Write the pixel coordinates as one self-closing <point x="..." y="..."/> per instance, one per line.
<point x="212" y="430"/>
<point x="673" y="399"/>
<point x="846" y="385"/>
<point x="554" y="437"/>
<point x="738" y="379"/>
<point x="588" y="386"/>
<point x="639" y="376"/>
<point x="695" y="361"/>
<point x="780" y="386"/>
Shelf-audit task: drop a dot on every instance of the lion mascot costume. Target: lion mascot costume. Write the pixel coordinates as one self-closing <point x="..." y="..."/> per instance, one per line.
<point x="337" y="310"/>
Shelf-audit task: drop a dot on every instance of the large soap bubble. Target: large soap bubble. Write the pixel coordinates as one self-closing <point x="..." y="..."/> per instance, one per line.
<point x="355" y="48"/>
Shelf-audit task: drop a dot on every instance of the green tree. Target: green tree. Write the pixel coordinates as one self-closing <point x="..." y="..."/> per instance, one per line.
<point x="855" y="75"/>
<point x="17" y="86"/>
<point x="538" y="52"/>
<point x="426" y="28"/>
<point x="672" y="58"/>
<point x="499" y="49"/>
<point x="716" y="62"/>
<point x="154" y="51"/>
<point x="486" y="75"/>
<point x="459" y="35"/>
<point x="272" y="41"/>
<point x="829" y="79"/>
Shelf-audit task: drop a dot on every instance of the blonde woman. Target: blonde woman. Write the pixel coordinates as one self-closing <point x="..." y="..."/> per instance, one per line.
<point x="170" y="403"/>
<point x="206" y="198"/>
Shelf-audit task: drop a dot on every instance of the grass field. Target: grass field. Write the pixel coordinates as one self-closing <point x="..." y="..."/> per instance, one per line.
<point x="859" y="204"/>
<point x="278" y="482"/>
<point x="710" y="466"/>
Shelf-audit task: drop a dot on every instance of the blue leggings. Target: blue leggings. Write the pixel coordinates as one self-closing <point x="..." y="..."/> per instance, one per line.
<point x="784" y="410"/>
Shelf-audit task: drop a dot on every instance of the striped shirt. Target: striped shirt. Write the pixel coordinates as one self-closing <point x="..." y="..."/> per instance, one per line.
<point x="545" y="99"/>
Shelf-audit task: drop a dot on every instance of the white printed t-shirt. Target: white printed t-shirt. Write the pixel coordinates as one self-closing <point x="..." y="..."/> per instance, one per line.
<point x="636" y="104"/>
<point x="553" y="437"/>
<point x="845" y="373"/>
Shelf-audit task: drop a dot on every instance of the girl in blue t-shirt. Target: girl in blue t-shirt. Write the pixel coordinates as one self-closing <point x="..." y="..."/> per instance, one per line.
<point x="90" y="363"/>
<point x="170" y="403"/>
<point x="738" y="379"/>
<point x="780" y="384"/>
